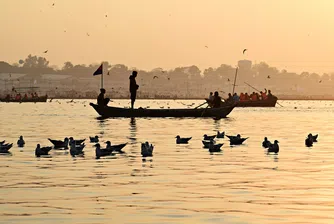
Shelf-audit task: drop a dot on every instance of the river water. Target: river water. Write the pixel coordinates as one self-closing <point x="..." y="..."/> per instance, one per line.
<point x="180" y="183"/>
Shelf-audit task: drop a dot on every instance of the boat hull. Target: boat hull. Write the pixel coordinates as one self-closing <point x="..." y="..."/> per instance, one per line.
<point x="106" y="112"/>
<point x="29" y="100"/>
<point x="258" y="103"/>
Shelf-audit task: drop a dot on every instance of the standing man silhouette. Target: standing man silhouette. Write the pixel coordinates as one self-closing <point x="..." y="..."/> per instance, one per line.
<point x="133" y="88"/>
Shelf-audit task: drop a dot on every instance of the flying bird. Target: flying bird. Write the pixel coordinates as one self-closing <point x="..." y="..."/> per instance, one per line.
<point x="268" y="77"/>
<point x="228" y="80"/>
<point x="88" y="34"/>
<point x="243" y="52"/>
<point x="45" y="51"/>
<point x="155" y="77"/>
<point x="168" y="78"/>
<point x="320" y="81"/>
<point x="206" y="46"/>
<point x="53" y="4"/>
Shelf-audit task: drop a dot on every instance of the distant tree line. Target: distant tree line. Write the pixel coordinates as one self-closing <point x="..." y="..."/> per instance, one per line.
<point x="188" y="78"/>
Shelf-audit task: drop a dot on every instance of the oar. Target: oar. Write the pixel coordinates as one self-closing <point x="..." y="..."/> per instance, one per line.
<point x="279" y="104"/>
<point x="204" y="110"/>
<point x="201" y="105"/>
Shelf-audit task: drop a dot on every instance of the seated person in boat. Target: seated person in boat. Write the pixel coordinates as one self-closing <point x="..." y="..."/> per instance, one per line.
<point x="101" y="101"/>
<point x="36" y="95"/>
<point x="25" y="97"/>
<point x="264" y="94"/>
<point x="230" y="98"/>
<point x="236" y="97"/>
<point x="246" y="97"/>
<point x="217" y="100"/>
<point x="210" y="96"/>
<point x="210" y="99"/>
<point x="253" y="97"/>
<point x="270" y="96"/>
<point x="242" y="97"/>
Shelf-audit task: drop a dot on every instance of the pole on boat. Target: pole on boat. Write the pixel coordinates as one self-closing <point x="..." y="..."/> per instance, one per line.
<point x="252" y="87"/>
<point x="235" y="79"/>
<point x="102" y="80"/>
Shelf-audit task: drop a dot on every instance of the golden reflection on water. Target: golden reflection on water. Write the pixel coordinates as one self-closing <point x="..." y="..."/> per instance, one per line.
<point x="180" y="183"/>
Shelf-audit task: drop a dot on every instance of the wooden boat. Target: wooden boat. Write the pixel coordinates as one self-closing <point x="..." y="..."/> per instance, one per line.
<point x="107" y="111"/>
<point x="258" y="103"/>
<point x="28" y="100"/>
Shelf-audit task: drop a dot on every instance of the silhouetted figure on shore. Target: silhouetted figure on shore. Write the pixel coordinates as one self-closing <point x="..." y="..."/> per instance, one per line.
<point x="101" y="101"/>
<point x="133" y="88"/>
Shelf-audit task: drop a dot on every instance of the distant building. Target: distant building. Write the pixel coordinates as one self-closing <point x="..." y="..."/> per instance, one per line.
<point x="245" y="65"/>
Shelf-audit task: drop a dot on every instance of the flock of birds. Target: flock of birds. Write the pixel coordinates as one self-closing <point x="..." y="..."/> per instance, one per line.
<point x="76" y="146"/>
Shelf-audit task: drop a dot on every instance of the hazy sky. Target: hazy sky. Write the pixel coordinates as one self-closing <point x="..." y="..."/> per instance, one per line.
<point x="297" y="35"/>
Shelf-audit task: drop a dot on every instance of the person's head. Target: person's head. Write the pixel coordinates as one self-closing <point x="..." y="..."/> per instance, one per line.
<point x="246" y="94"/>
<point x="102" y="90"/>
<point x="269" y="91"/>
<point x="261" y="92"/>
<point x="238" y="135"/>
<point x="229" y="94"/>
<point x="211" y="93"/>
<point x="216" y="93"/>
<point x="134" y="73"/>
<point x="265" y="138"/>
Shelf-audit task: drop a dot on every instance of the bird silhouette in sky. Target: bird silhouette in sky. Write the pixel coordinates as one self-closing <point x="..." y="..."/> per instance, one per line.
<point x="206" y="46"/>
<point x="155" y="77"/>
<point x="106" y="15"/>
<point x="45" y="51"/>
<point x="320" y="81"/>
<point x="53" y="4"/>
<point x="228" y="80"/>
<point x="168" y="78"/>
<point x="243" y="52"/>
<point x="88" y="34"/>
<point x="268" y="77"/>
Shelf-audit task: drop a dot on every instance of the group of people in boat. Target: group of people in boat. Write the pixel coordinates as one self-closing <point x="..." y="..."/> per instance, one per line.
<point x="266" y="95"/>
<point x="216" y="101"/>
<point x="19" y="96"/>
<point x="101" y="101"/>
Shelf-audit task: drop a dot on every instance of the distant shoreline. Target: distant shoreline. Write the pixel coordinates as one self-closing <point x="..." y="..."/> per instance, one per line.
<point x="192" y="98"/>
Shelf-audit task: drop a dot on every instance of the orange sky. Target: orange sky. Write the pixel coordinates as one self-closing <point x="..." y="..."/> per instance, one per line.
<point x="297" y="35"/>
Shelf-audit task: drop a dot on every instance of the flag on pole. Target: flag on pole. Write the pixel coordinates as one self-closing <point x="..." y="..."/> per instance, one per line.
<point x="99" y="71"/>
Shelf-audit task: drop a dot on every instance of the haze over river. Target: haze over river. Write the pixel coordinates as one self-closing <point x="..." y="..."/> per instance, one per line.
<point x="180" y="183"/>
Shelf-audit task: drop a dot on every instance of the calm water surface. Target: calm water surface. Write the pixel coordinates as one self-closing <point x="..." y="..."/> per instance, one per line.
<point x="181" y="183"/>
